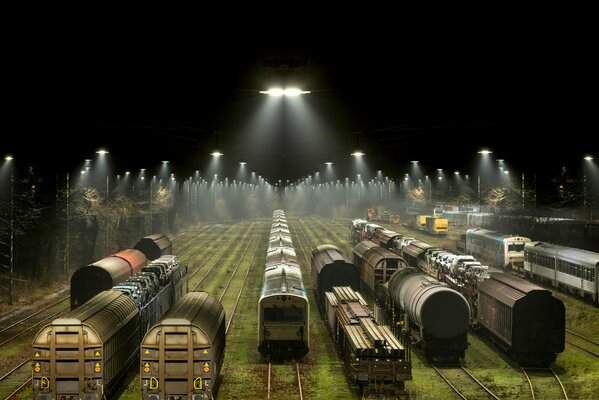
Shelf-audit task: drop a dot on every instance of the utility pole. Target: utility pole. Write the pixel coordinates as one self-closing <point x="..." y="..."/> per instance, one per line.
<point x="107" y="225"/>
<point x="67" y="238"/>
<point x="479" y="204"/>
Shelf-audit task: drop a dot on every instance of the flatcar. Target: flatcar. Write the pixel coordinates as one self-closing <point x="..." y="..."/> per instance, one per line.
<point x="154" y="246"/>
<point x="102" y="275"/>
<point x="331" y="268"/>
<point x="376" y="360"/>
<point x="83" y="354"/>
<point x="376" y="264"/>
<point x="571" y="269"/>
<point x="496" y="249"/>
<point x="523" y="318"/>
<point x="436" y="315"/>
<point x="182" y="355"/>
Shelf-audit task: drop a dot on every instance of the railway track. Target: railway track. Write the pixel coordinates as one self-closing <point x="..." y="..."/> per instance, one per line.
<point x="20" y="321"/>
<point x="582" y="343"/>
<point x="455" y="377"/>
<point x="15" y="377"/>
<point x="242" y="285"/>
<point x="238" y="239"/>
<point x="545" y="379"/>
<point x="212" y="252"/>
<point x="270" y="382"/>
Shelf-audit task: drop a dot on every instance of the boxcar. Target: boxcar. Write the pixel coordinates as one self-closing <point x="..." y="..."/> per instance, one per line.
<point x="331" y="268"/>
<point x="154" y="246"/>
<point x="524" y="319"/>
<point x="92" y="279"/>
<point x="376" y="264"/>
<point x="83" y="353"/>
<point x="181" y="356"/>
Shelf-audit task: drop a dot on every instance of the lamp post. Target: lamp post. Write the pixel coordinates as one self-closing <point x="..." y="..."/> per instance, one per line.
<point x="12" y="227"/>
<point x="585" y="189"/>
<point x="484" y="152"/>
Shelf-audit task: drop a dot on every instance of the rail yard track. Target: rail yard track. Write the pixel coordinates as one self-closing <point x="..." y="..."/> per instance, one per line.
<point x="544" y="384"/>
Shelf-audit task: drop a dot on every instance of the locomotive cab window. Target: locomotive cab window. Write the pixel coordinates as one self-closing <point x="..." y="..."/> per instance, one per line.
<point x="516" y="247"/>
<point x="276" y="315"/>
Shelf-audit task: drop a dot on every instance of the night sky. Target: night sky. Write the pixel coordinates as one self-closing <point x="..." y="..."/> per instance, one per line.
<point x="437" y="102"/>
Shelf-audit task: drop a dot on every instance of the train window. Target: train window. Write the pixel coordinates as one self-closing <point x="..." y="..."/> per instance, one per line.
<point x="274" y="315"/>
<point x="515" y="247"/>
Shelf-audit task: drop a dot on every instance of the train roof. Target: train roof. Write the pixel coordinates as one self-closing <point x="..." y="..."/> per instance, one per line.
<point x="490" y="234"/>
<point x="510" y="289"/>
<point x="155" y="245"/>
<point x="386" y="236"/>
<point x="572" y="254"/>
<point x="328" y="253"/>
<point x="416" y="248"/>
<point x="115" y="268"/>
<point x="281" y="255"/>
<point x="104" y="313"/>
<point x="372" y="253"/>
<point x="283" y="278"/>
<point x="197" y="309"/>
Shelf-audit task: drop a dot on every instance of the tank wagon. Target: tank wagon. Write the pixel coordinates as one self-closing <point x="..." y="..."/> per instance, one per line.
<point x="182" y="355"/>
<point x="436" y="315"/>
<point x="283" y="308"/>
<point x="330" y="268"/>
<point x="524" y="319"/>
<point x="376" y="360"/>
<point x="83" y="354"/>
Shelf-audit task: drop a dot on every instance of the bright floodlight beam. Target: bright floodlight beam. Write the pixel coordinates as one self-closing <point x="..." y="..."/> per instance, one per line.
<point x="216" y="153"/>
<point x="328" y="163"/>
<point x="290" y="92"/>
<point x="8" y="157"/>
<point x="358" y="153"/>
<point x="588" y="158"/>
<point x="485" y="151"/>
<point x="242" y="163"/>
<point x="102" y="151"/>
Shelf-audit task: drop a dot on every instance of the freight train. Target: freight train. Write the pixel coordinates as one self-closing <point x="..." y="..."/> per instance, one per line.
<point x="377" y="361"/>
<point x="283" y="308"/>
<point x="182" y="355"/>
<point x="522" y="318"/>
<point x="435" y="315"/>
<point x="82" y="354"/>
<point x="102" y="275"/>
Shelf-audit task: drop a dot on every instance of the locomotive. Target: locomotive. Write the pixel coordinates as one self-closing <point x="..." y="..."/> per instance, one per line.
<point x="283" y="308"/>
